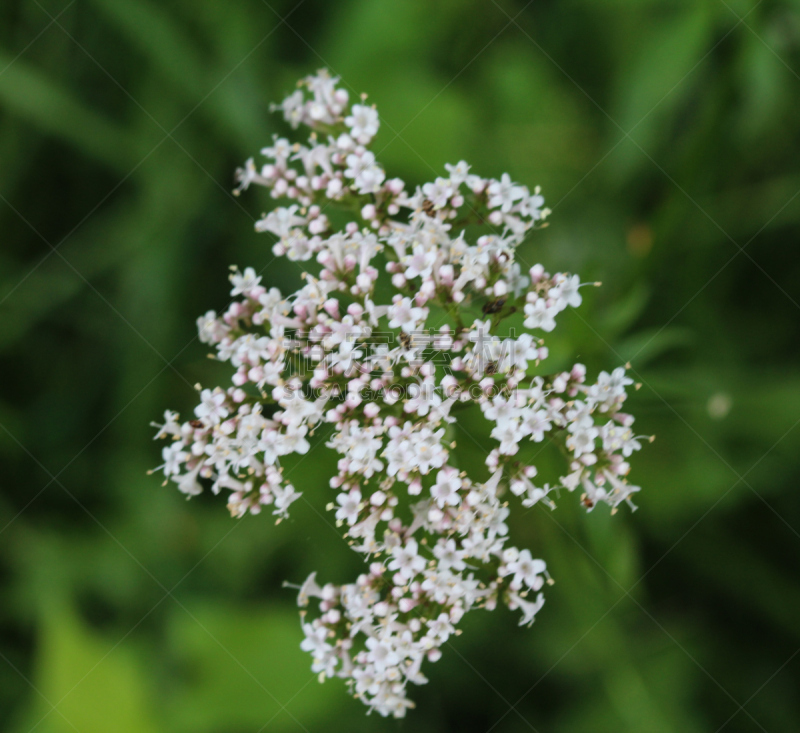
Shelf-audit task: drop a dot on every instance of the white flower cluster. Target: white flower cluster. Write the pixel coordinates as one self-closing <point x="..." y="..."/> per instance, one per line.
<point x="400" y="326"/>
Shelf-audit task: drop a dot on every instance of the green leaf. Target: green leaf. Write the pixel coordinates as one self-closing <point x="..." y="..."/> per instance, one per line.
<point x="149" y="28"/>
<point x="656" y="77"/>
<point x="247" y="668"/>
<point x="35" y="97"/>
<point x="95" y="685"/>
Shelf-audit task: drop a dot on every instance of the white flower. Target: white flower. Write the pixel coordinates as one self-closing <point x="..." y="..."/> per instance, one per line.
<point x="294" y="441"/>
<point x="449" y="556"/>
<point x="567" y="291"/>
<point x="280" y="221"/>
<point x="540" y="315"/>
<point x="212" y="406"/>
<point x="188" y="483"/>
<point x="420" y="263"/>
<point x="367" y="177"/>
<point x="458" y="172"/>
<point x="363" y="123"/>
<point x="445" y="490"/>
<point x="527" y="571"/>
<point x="440" y="628"/>
<point x="438" y="192"/>
<point x="503" y="193"/>
<point x="529" y="609"/>
<point x="403" y="315"/>
<point x="406" y="561"/>
<point x="348" y="506"/>
<point x="295" y="409"/>
<point x="243" y="283"/>
<point x="284" y="497"/>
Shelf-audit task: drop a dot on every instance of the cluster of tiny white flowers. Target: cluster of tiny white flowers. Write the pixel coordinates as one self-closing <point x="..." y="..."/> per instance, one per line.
<point x="397" y="328"/>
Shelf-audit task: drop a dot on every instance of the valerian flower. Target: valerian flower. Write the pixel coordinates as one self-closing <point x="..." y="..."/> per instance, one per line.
<point x="399" y="324"/>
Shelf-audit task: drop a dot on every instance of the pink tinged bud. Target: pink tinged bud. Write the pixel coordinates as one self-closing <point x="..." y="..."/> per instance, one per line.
<point x="240" y="378"/>
<point x="446" y="274"/>
<point x="350" y="262"/>
<point x="434" y="655"/>
<point x="239" y="395"/>
<point x="429" y="289"/>
<point x="355" y="310"/>
<point x="364" y="282"/>
<point x="500" y="288"/>
<point x="331" y="307"/>
<point x="368" y="211"/>
<point x="398" y="280"/>
<point x="371" y="410"/>
<point x="405" y="605"/>
<point x="415" y="487"/>
<point x="624" y="419"/>
<point x="486" y="384"/>
<point x="393" y="209"/>
<point x="449" y="383"/>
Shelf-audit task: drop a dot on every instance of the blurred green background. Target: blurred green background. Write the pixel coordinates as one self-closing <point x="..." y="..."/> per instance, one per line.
<point x="664" y="134"/>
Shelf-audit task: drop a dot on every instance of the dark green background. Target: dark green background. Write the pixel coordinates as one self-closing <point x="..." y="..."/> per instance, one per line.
<point x="664" y="135"/>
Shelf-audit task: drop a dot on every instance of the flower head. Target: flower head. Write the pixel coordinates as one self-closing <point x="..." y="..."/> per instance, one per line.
<point x="400" y="320"/>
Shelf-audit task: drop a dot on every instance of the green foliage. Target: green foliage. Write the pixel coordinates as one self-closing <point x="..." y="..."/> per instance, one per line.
<point x="664" y="136"/>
